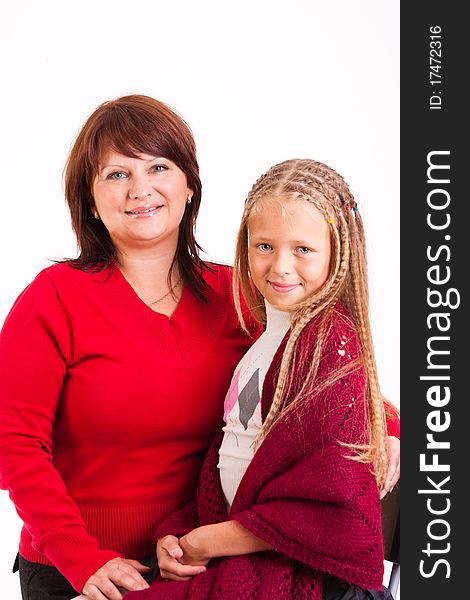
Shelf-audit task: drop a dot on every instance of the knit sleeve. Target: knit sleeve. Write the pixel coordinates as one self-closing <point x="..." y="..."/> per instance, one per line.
<point x="35" y="352"/>
<point x="393" y="420"/>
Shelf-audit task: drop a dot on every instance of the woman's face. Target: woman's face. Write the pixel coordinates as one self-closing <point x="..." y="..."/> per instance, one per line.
<point x="140" y="201"/>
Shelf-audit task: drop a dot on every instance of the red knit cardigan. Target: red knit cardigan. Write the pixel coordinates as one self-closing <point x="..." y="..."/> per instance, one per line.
<point x="319" y="510"/>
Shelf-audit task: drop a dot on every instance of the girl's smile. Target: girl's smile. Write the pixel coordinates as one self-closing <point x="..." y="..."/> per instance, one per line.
<point x="283" y="288"/>
<point x="289" y="250"/>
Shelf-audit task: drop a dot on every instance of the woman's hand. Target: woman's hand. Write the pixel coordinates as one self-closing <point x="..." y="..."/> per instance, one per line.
<point x="171" y="562"/>
<point x="393" y="470"/>
<point x="117" y="573"/>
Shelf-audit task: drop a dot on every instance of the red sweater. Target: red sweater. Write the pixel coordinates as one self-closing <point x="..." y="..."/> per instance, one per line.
<point x="107" y="409"/>
<point x="319" y="510"/>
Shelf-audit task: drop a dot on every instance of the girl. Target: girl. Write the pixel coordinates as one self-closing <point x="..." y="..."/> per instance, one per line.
<point x="288" y="502"/>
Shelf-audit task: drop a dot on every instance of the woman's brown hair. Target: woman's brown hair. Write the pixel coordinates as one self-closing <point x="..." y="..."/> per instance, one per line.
<point x="131" y="125"/>
<point x="315" y="182"/>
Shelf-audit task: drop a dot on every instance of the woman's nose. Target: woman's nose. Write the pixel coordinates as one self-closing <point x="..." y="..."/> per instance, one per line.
<point x="139" y="187"/>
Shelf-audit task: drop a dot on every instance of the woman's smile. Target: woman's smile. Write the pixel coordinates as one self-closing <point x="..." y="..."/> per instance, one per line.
<point x="144" y="211"/>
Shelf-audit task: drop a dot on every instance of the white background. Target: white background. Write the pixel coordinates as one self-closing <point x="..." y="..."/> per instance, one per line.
<point x="258" y="82"/>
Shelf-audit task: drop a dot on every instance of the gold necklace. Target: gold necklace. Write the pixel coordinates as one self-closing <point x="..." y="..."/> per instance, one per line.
<point x="167" y="294"/>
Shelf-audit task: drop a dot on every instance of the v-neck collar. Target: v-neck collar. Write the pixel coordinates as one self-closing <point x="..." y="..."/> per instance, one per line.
<point x="189" y="334"/>
<point x="136" y="299"/>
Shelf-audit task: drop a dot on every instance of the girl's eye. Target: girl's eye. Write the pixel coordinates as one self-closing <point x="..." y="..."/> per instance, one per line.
<point x="265" y="247"/>
<point x="303" y="250"/>
<point x="116" y="175"/>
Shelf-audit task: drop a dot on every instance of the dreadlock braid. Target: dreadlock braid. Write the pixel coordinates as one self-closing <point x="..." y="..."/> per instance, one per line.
<point x="324" y="188"/>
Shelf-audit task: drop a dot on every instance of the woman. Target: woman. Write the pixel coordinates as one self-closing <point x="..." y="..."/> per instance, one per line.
<point x="114" y="366"/>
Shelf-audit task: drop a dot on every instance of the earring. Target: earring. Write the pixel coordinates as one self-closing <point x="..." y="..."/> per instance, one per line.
<point x="188" y="201"/>
<point x="95" y="214"/>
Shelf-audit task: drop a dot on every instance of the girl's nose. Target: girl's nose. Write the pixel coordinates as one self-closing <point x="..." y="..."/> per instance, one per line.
<point x="282" y="263"/>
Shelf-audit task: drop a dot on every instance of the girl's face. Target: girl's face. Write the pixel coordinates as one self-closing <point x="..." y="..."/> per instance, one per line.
<point x="289" y="250"/>
<point x="141" y="201"/>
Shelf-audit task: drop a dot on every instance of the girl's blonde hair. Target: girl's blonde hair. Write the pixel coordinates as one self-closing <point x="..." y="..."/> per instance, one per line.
<point x="315" y="182"/>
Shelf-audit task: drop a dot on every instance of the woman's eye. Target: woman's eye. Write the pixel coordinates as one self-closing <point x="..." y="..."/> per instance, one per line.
<point x="304" y="250"/>
<point x="265" y="247"/>
<point x="159" y="168"/>
<point x="116" y="175"/>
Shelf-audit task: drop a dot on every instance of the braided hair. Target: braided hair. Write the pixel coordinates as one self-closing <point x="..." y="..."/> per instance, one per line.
<point x="319" y="184"/>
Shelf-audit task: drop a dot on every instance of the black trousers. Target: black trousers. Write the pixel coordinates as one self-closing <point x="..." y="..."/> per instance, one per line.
<point x="40" y="582"/>
<point x="337" y="589"/>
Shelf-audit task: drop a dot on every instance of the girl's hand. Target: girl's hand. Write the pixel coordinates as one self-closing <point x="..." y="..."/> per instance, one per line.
<point x="192" y="545"/>
<point x="393" y="471"/>
<point x="117" y="573"/>
<point x="170" y="556"/>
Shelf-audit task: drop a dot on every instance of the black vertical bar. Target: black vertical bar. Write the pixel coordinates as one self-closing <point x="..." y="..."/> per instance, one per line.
<point x="435" y="351"/>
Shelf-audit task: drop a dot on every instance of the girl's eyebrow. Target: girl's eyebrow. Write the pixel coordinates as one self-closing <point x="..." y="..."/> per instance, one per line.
<point x="267" y="238"/>
<point x="264" y="238"/>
